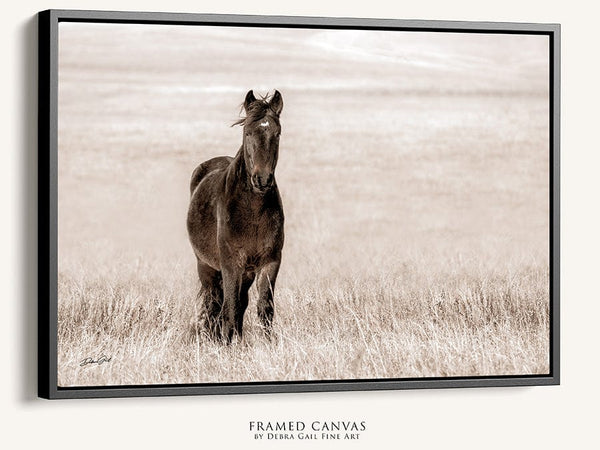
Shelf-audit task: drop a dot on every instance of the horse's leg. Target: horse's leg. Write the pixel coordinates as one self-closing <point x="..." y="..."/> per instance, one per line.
<point x="247" y="280"/>
<point x="266" y="289"/>
<point x="235" y="302"/>
<point x="232" y="282"/>
<point x="211" y="293"/>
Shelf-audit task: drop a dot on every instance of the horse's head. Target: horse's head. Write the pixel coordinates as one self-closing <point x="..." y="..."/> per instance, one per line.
<point x="261" y="139"/>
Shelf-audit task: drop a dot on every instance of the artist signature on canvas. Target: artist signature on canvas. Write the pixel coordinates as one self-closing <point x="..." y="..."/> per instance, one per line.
<point x="101" y="360"/>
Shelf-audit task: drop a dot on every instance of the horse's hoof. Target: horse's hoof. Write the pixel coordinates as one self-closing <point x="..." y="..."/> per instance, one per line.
<point x="270" y="337"/>
<point x="196" y="328"/>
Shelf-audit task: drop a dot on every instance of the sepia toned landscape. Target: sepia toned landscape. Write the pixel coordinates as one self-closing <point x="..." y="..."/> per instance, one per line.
<point x="413" y="170"/>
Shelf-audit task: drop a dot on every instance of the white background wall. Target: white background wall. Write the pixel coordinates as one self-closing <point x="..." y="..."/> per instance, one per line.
<point x="548" y="417"/>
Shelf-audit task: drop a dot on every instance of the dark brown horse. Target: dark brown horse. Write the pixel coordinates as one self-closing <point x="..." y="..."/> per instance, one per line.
<point x="235" y="223"/>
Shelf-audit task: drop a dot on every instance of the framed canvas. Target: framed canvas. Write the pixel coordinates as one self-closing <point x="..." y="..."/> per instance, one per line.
<point x="252" y="204"/>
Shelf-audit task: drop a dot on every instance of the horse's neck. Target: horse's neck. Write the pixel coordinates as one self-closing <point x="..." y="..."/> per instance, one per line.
<point x="237" y="175"/>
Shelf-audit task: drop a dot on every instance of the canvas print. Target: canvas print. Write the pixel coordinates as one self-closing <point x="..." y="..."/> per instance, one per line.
<point x="249" y="204"/>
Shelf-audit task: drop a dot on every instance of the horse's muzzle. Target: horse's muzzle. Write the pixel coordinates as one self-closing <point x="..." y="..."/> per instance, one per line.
<point x="262" y="183"/>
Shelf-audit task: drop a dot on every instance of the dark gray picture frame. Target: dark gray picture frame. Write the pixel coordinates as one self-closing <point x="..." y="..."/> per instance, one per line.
<point x="48" y="207"/>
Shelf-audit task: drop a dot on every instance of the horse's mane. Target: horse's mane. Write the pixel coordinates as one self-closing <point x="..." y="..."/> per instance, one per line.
<point x="256" y="111"/>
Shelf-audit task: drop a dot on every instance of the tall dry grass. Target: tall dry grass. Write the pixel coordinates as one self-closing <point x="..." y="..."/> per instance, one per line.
<point x="461" y="319"/>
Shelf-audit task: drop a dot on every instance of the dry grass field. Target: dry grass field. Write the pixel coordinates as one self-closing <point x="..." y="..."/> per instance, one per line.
<point x="414" y="175"/>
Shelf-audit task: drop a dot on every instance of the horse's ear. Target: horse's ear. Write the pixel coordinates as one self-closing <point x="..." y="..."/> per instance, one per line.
<point x="250" y="98"/>
<point x="276" y="102"/>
